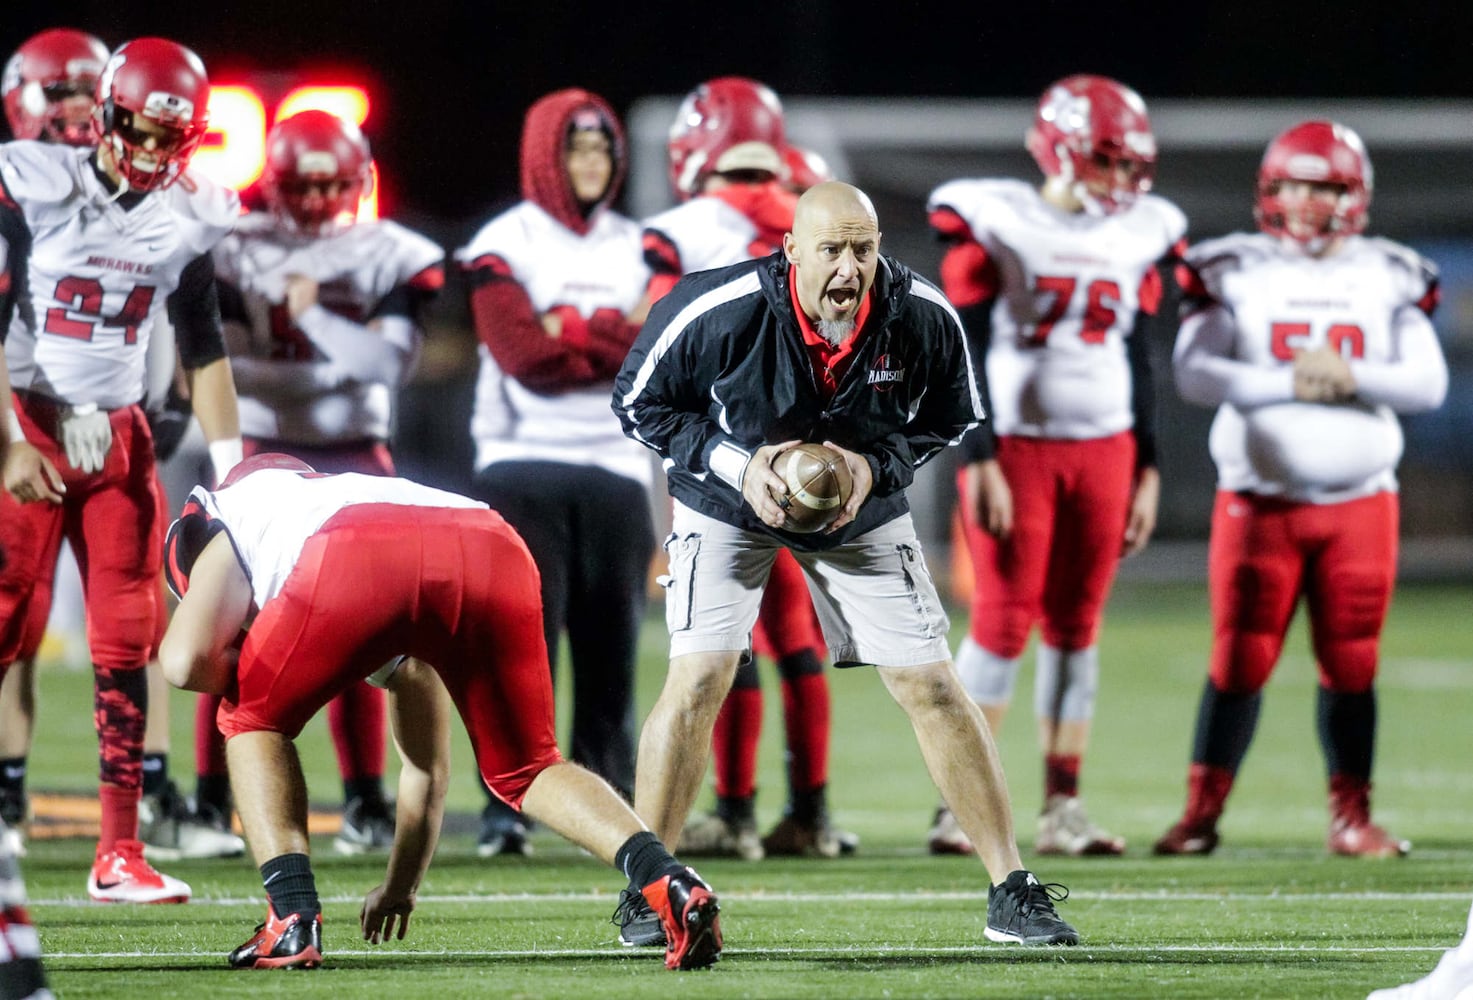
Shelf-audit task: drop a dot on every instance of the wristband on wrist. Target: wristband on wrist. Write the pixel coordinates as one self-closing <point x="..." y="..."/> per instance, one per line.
<point x="225" y="455"/>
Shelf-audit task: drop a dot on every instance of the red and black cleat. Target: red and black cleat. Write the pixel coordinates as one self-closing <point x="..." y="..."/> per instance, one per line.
<point x="289" y="942"/>
<point x="690" y="913"/>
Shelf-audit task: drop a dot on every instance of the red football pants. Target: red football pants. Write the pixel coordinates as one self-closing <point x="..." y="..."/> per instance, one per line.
<point x="1265" y="552"/>
<point x="357" y="719"/>
<point x="454" y="588"/>
<point x="1070" y="504"/>
<point x="111" y="519"/>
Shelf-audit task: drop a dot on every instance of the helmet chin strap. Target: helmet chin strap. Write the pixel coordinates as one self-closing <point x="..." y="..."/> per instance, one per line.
<point x="111" y="143"/>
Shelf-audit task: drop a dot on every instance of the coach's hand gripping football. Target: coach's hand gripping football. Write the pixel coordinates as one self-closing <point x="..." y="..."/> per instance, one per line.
<point x="803" y="487"/>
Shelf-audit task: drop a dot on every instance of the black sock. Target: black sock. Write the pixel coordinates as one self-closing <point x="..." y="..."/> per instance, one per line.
<point x="810" y="806"/>
<point x="1347" y="728"/>
<point x="737" y="808"/>
<point x="643" y="859"/>
<point x="747" y="675"/>
<point x="290" y="885"/>
<point x="803" y="663"/>
<point x="370" y="790"/>
<point x="1225" y="725"/>
<point x="213" y="790"/>
<point x="155" y="772"/>
<point x="13" y="775"/>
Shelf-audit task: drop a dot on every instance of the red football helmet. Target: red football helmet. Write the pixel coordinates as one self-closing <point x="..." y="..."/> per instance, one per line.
<point x="262" y="461"/>
<point x="805" y="168"/>
<point x="727" y="124"/>
<point x="317" y="169"/>
<point x="1317" y="152"/>
<point x="1093" y="132"/>
<point x="162" y="83"/>
<point x="48" y="86"/>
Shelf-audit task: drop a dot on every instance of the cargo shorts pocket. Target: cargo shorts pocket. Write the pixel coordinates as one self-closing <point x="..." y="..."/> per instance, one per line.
<point x="679" y="582"/>
<point x="922" y="592"/>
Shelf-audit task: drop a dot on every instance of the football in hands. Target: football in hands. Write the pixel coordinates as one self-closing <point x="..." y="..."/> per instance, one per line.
<point x="818" y="486"/>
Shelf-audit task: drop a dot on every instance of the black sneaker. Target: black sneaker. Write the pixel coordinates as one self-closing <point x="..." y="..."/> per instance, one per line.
<point x="368" y="827"/>
<point x="639" y="924"/>
<point x="1021" y="911"/>
<point x="15" y="807"/>
<point x="502" y="832"/>
<point x="171" y="830"/>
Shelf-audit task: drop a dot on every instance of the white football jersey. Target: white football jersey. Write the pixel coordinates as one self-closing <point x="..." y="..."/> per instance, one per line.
<point x="1067" y="299"/>
<point x="97" y="275"/>
<point x="271" y="513"/>
<point x="1367" y="301"/>
<point x="708" y="233"/>
<point x="604" y="269"/>
<point x="355" y="268"/>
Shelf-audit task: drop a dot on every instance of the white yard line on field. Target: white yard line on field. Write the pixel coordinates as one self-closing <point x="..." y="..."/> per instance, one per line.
<point x="1081" y="951"/>
<point x="1155" y="895"/>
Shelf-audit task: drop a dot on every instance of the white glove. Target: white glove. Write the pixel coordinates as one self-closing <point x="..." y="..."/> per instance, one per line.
<point x="86" y="434"/>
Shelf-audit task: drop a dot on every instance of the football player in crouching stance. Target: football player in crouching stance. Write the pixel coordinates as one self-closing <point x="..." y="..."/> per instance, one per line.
<point x="268" y="618"/>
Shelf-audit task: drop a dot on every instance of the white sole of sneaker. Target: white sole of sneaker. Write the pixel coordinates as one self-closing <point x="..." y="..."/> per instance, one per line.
<point x="1003" y="937"/>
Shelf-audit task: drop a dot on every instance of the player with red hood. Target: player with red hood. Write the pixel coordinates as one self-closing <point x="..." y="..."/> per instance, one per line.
<point x="557" y="293"/>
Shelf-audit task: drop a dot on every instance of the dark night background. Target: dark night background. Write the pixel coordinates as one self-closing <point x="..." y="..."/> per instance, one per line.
<point x="453" y="78"/>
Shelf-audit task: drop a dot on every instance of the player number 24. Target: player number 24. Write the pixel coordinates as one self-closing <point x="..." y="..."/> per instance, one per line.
<point x="82" y="313"/>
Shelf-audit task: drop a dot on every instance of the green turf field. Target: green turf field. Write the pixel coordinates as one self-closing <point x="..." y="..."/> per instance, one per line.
<point x="1268" y="916"/>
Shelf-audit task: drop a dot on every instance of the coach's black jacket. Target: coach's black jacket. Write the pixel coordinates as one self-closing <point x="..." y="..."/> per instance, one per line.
<point x="721" y="369"/>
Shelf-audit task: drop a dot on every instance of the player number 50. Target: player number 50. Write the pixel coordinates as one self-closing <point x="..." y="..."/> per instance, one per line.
<point x="1286" y="339"/>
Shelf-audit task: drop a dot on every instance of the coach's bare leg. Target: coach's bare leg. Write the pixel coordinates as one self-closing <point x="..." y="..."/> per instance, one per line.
<point x="581" y="806"/>
<point x="270" y="793"/>
<point x="963" y="761"/>
<point x="675" y="744"/>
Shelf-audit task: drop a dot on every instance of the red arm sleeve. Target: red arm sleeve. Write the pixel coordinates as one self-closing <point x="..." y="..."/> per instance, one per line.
<point x="664" y="260"/>
<point x="968" y="275"/>
<point x="512" y="331"/>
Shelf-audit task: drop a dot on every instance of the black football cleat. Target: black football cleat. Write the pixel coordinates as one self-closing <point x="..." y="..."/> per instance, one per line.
<point x="289" y="942"/>
<point x="691" y="915"/>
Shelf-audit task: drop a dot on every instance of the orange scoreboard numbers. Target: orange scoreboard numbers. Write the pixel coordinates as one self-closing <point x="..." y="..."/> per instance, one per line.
<point x="234" y="150"/>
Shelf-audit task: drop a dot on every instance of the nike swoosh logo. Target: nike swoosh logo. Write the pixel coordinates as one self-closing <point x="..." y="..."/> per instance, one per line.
<point x="109" y="885"/>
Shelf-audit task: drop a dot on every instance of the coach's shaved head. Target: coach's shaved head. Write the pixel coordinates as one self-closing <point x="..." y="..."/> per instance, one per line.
<point x="834" y="248"/>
